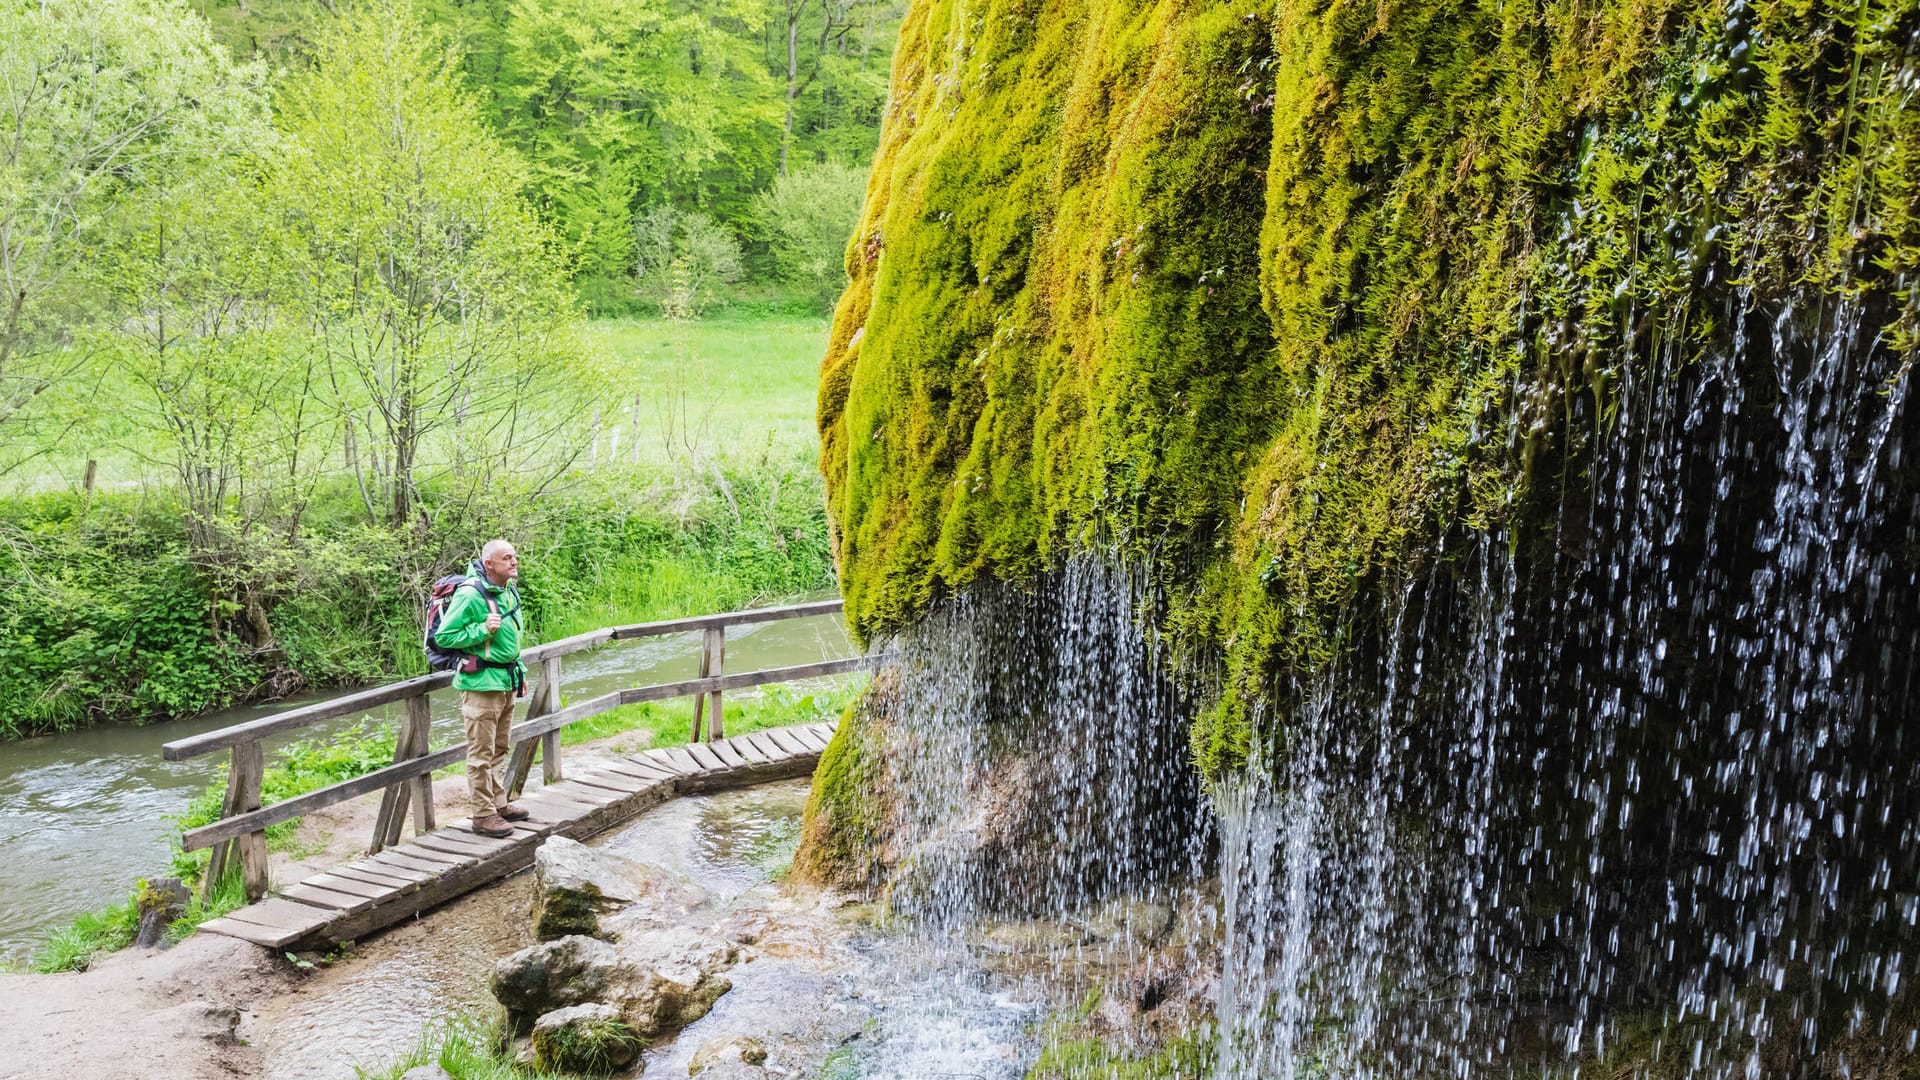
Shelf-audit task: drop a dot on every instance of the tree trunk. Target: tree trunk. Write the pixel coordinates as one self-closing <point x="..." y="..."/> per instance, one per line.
<point x="794" y="8"/>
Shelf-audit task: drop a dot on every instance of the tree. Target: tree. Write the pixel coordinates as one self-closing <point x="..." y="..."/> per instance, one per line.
<point x="834" y="62"/>
<point x="99" y="102"/>
<point x="436" y="296"/>
<point x="646" y="92"/>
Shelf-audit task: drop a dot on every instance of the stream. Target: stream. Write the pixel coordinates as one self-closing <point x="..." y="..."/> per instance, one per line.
<point x="824" y="990"/>
<point x="83" y="814"/>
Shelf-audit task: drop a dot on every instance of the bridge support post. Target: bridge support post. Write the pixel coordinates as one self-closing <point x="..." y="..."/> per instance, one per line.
<point x="713" y="657"/>
<point x="411" y="743"/>
<point x="545" y="699"/>
<point x="243" y="794"/>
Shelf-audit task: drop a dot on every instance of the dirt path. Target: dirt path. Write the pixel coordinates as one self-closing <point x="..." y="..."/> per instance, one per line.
<point x="140" y="1012"/>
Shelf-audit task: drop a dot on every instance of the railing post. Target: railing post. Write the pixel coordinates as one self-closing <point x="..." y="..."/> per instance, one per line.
<point x="713" y="657"/>
<point x="243" y="794"/>
<point x="545" y="699"/>
<point x="411" y="742"/>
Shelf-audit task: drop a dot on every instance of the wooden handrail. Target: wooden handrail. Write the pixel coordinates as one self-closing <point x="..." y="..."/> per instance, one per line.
<point x="362" y="700"/>
<point x="256" y="820"/>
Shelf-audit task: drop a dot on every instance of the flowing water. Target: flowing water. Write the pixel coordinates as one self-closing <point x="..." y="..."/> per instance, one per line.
<point x="83" y="814"/>
<point x="1630" y="784"/>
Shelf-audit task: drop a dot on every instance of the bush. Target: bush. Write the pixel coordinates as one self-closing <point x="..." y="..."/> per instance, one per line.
<point x="806" y="218"/>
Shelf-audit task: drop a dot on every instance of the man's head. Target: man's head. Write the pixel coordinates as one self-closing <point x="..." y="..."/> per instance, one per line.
<point x="499" y="561"/>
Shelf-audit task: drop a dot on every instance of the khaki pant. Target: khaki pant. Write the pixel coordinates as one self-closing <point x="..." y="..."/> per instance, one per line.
<point x="489" y="717"/>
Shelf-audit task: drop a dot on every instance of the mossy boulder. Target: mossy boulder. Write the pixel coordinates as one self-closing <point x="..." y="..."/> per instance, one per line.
<point x="589" y="1039"/>
<point x="573" y="886"/>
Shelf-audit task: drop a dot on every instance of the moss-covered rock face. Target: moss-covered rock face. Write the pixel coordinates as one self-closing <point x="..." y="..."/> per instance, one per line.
<point x="1269" y="296"/>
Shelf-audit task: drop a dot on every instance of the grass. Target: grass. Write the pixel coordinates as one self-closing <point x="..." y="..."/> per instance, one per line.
<point x="467" y="1047"/>
<point x="734" y="381"/>
<point x="92" y="933"/>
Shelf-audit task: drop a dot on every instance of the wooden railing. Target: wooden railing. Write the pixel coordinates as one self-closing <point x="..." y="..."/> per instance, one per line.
<point x="240" y="833"/>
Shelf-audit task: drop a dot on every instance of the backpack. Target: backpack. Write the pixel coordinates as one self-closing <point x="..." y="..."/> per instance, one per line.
<point x="440" y="659"/>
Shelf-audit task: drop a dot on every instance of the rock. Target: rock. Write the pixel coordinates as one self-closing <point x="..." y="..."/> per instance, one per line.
<point x="733" y="1070"/>
<point x="660" y="981"/>
<point x="573" y="886"/>
<point x="160" y="903"/>
<point x="592" y="1039"/>
<point x="426" y="1072"/>
<point x="1130" y="920"/>
<point x="555" y="974"/>
<point x="727" y="1049"/>
<point x="679" y="979"/>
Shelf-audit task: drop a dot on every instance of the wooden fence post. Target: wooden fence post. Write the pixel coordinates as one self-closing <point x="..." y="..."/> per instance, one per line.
<point x="545" y="699"/>
<point x="243" y="794"/>
<point x="713" y="657"/>
<point x="411" y="743"/>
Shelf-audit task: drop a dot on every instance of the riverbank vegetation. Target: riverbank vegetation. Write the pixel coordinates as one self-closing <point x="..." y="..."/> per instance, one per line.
<point x="314" y="312"/>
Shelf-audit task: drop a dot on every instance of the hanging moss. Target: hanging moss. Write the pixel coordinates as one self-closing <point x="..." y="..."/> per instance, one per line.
<point x="1267" y="295"/>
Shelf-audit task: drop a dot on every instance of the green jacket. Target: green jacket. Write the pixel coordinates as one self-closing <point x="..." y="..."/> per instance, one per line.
<point x="464" y="628"/>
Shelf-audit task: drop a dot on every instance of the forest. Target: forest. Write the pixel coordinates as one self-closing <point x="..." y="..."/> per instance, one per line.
<point x="303" y="298"/>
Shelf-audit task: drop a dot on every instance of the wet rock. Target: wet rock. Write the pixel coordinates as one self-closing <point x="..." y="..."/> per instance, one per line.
<point x="593" y="1039"/>
<point x="1130" y="920"/>
<point x="555" y="974"/>
<point x="725" y="1050"/>
<point x="660" y="981"/>
<point x="160" y="903"/>
<point x="573" y="886"/>
<point x="678" y="979"/>
<point x="733" y="1070"/>
<point x="426" y="1072"/>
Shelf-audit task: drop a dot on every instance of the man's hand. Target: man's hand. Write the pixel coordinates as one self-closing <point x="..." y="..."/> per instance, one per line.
<point x="493" y="622"/>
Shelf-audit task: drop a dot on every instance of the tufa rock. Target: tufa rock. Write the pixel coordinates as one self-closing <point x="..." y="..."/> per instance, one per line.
<point x="679" y="979"/>
<point x="426" y="1072"/>
<point x="724" y="1050"/>
<point x="555" y="974"/>
<point x="660" y="981"/>
<point x="573" y="886"/>
<point x="160" y="903"/>
<point x="592" y="1039"/>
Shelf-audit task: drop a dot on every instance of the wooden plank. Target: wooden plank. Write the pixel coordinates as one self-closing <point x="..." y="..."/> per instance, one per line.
<point x="727" y="754"/>
<point x="333" y="882"/>
<point x="643" y="768"/>
<point x="550" y="758"/>
<point x="683" y="761"/>
<point x="713" y="651"/>
<point x="581" y="793"/>
<point x="295" y="719"/>
<point x="275" y="913"/>
<point x="288" y="809"/>
<point x="318" y="897"/>
<point x="773" y="750"/>
<point x="608" y="781"/>
<point x="228" y="926"/>
<point x="396" y="860"/>
<point x="808" y="738"/>
<point x="458" y="843"/>
<point x="410" y="743"/>
<point x="745" y="747"/>
<point x="416" y="852"/>
<point x="709" y="761"/>
<point x="392" y="877"/>
<point x="787" y="742"/>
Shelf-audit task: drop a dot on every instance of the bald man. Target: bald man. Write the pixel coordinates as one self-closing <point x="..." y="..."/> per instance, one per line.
<point x="483" y="621"/>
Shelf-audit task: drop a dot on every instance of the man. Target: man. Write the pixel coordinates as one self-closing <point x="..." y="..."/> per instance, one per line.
<point x="482" y="620"/>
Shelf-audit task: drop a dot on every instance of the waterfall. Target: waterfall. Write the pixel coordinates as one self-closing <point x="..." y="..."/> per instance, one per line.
<point x="1640" y="786"/>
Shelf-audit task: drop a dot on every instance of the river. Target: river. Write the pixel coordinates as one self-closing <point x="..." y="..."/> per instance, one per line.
<point x="85" y="813"/>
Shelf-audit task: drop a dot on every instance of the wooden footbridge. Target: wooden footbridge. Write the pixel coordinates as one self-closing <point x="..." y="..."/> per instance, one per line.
<point x="399" y="879"/>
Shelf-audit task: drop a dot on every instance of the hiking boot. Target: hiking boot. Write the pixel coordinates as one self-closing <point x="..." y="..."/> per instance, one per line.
<point x="514" y="813"/>
<point x="493" y="825"/>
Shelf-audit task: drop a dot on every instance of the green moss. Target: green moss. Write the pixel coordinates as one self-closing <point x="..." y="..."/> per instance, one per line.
<point x="561" y="912"/>
<point x="840" y="825"/>
<point x="1264" y="297"/>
